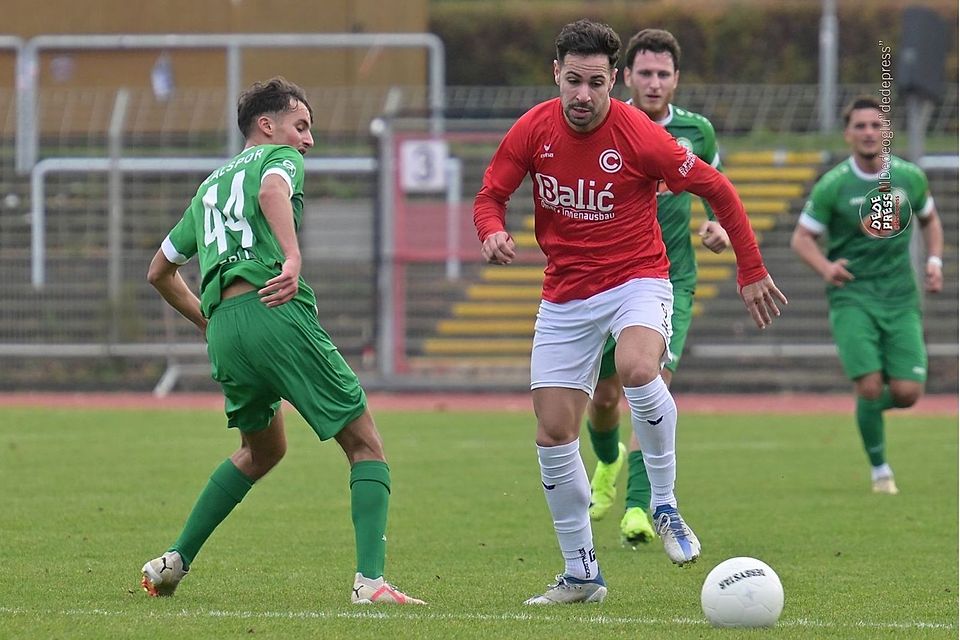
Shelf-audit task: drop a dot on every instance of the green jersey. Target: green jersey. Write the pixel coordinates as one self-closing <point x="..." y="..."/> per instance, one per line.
<point x="868" y="220"/>
<point x="694" y="132"/>
<point x="225" y="227"/>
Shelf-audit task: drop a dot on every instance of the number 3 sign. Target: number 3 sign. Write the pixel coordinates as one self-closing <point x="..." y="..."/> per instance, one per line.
<point x="423" y="166"/>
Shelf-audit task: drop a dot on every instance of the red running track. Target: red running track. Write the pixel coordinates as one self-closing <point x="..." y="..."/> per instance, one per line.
<point x="790" y="404"/>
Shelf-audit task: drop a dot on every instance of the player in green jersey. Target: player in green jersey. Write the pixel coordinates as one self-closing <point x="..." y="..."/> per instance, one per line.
<point x="263" y="337"/>
<point x="866" y="206"/>
<point x="652" y="73"/>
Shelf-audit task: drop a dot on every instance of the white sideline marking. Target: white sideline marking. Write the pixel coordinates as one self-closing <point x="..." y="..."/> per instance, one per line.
<point x="504" y="617"/>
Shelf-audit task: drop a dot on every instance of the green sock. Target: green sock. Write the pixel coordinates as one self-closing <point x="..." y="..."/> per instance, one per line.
<point x="638" y="484"/>
<point x="870" y="422"/>
<point x="223" y="492"/>
<point x="369" y="497"/>
<point x="605" y="444"/>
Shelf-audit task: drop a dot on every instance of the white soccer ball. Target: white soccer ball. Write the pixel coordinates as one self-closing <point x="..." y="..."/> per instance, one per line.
<point x="742" y="592"/>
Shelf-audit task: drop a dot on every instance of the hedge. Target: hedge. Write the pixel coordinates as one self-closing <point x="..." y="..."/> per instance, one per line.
<point x="731" y="41"/>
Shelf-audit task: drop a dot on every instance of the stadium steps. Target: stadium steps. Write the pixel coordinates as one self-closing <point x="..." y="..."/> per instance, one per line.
<point x="805" y="320"/>
<point x="493" y="321"/>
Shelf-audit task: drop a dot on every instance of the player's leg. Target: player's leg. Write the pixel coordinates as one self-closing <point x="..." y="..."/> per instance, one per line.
<point x="369" y="501"/>
<point x="643" y="332"/>
<point x="565" y="487"/>
<point x="310" y="372"/>
<point x="603" y="421"/>
<point x="250" y="408"/>
<point x="230" y="482"/>
<point x="904" y="355"/>
<point x="635" y="527"/>
<point x="564" y="365"/>
<point x="858" y="339"/>
<point x="905" y="368"/>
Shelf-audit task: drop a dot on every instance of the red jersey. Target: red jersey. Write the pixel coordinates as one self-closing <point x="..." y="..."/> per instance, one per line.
<point x="595" y="198"/>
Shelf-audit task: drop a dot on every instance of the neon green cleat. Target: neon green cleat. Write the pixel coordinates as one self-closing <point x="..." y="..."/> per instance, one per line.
<point x="603" y="487"/>
<point x="635" y="528"/>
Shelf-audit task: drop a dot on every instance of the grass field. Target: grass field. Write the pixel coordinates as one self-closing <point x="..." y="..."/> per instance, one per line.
<point x="88" y="496"/>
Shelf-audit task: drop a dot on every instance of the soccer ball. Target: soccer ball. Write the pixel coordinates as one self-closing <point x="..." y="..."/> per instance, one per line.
<point x="742" y="592"/>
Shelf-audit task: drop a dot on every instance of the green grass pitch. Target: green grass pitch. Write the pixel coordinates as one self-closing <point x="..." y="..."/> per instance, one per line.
<point x="88" y="496"/>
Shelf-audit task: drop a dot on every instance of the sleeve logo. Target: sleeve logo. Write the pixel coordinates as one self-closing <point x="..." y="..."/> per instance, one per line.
<point x="610" y="161"/>
<point x="688" y="163"/>
<point x="290" y="167"/>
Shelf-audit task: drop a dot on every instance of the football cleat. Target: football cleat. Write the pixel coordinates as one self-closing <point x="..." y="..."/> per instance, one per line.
<point x="679" y="542"/>
<point x="635" y="528"/>
<point x="162" y="575"/>
<point x="603" y="486"/>
<point x="367" y="591"/>
<point x="885" y="484"/>
<point x="568" y="590"/>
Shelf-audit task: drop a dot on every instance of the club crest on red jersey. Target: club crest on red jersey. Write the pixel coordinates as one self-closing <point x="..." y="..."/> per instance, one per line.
<point x="610" y="161"/>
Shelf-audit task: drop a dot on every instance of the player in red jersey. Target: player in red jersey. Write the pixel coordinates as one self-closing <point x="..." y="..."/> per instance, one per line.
<point x="595" y="165"/>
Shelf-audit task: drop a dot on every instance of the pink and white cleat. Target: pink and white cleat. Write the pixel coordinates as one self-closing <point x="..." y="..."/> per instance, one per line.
<point x="367" y="591"/>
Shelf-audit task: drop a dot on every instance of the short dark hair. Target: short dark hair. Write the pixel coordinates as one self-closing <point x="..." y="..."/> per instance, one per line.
<point x="585" y="38"/>
<point x="276" y="95"/>
<point x="655" y="41"/>
<point x="860" y="102"/>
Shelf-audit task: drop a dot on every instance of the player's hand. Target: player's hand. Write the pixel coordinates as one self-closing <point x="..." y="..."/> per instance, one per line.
<point x="837" y="274"/>
<point x="713" y="236"/>
<point x="761" y="298"/>
<point x="934" y="278"/>
<point x="283" y="287"/>
<point x="498" y="248"/>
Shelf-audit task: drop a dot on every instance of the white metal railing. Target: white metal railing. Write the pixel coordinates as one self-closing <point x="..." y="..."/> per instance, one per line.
<point x="141" y="165"/>
<point x="28" y="68"/>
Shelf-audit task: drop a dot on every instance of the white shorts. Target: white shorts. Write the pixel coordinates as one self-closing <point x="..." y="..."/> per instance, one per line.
<point x="568" y="338"/>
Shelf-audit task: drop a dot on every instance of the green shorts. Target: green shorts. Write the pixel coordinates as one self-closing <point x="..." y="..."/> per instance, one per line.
<point x="682" y="317"/>
<point x="880" y="339"/>
<point x="261" y="354"/>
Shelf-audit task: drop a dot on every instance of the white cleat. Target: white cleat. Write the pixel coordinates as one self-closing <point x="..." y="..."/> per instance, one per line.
<point x="162" y="575"/>
<point x="568" y="590"/>
<point x="680" y="543"/>
<point x="885" y="484"/>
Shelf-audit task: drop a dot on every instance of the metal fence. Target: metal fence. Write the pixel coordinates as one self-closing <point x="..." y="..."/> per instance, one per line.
<point x="75" y="122"/>
<point x="77" y="318"/>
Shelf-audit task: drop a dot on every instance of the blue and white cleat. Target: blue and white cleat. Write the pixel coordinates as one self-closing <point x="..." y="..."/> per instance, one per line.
<point x="569" y="590"/>
<point x="680" y="543"/>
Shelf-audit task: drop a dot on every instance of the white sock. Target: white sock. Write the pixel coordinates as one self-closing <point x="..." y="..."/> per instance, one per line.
<point x="881" y="471"/>
<point x="654" y="416"/>
<point x="567" y="490"/>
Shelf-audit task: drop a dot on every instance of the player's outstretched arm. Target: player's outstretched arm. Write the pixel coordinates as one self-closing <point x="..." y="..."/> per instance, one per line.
<point x="761" y="298"/>
<point x="166" y="279"/>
